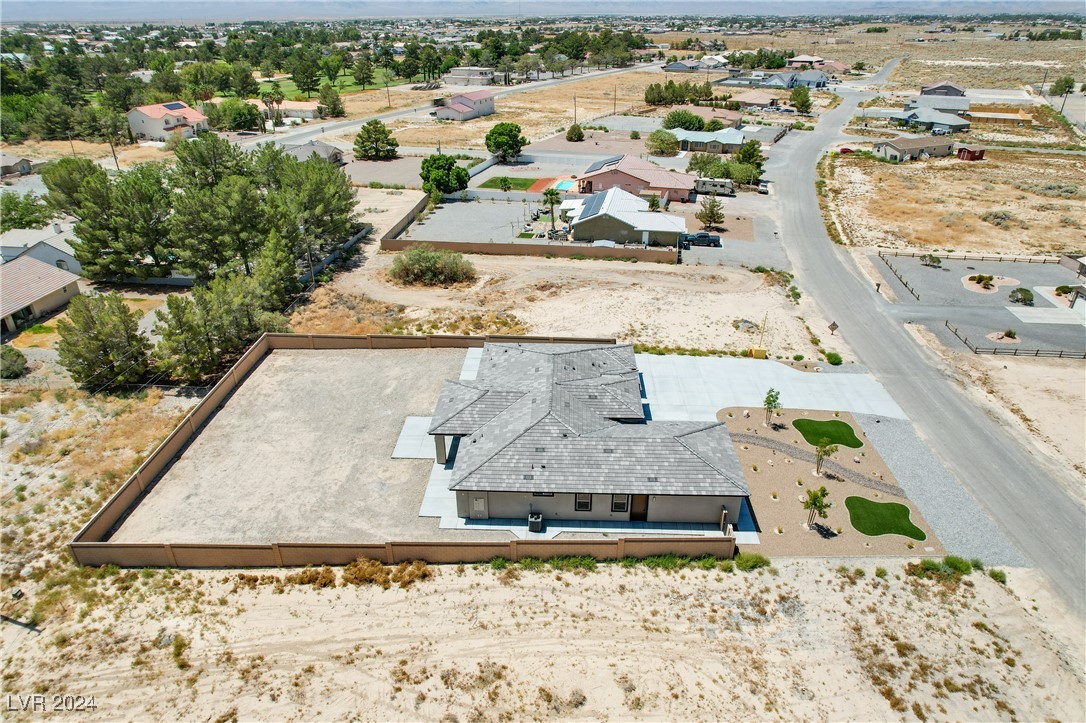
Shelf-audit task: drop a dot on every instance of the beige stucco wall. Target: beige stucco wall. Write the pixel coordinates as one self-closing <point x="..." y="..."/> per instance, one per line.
<point x="518" y="504"/>
<point x="54" y="300"/>
<point x="604" y="227"/>
<point x="673" y="508"/>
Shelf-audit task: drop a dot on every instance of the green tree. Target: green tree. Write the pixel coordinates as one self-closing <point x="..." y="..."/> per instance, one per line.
<point x="441" y="172"/>
<point x="771" y="403"/>
<point x="552" y="198"/>
<point x="212" y="228"/>
<point x="100" y="344"/>
<point x="683" y="119"/>
<point x="1062" y="86"/>
<point x="63" y="179"/>
<point x="185" y="349"/>
<point x="317" y="196"/>
<point x="505" y="141"/>
<point x="234" y="114"/>
<point x="23" y="211"/>
<point x="703" y="164"/>
<point x="714" y="124"/>
<point x="98" y="248"/>
<point x="711" y="213"/>
<point x="662" y="143"/>
<point x="374" y="141"/>
<point x="331" y="66"/>
<point x="207" y="161"/>
<point x="121" y="93"/>
<point x="800" y="99"/>
<point x="12" y="362"/>
<point x="332" y="103"/>
<point x="363" y="71"/>
<point x="275" y="274"/>
<point x="575" y="134"/>
<point x="817" y="503"/>
<point x="505" y="183"/>
<point x="654" y="202"/>
<point x="306" y="74"/>
<point x="143" y="201"/>
<point x="750" y="153"/>
<point x="823" y="450"/>
<point x="242" y="80"/>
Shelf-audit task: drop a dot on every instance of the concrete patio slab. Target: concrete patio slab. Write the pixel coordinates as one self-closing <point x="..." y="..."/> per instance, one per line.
<point x="414" y="442"/>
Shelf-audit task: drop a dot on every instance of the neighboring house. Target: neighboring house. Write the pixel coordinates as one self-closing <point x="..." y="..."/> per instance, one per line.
<point x="304" y="151"/>
<point x="957" y="105"/>
<point x="308" y="109"/>
<point x="730" y="118"/>
<point x="907" y="149"/>
<point x="570" y="208"/>
<point x="615" y="215"/>
<point x="943" y="87"/>
<point x="50" y="245"/>
<point x="1020" y="118"/>
<point x="932" y="120"/>
<point x="766" y="135"/>
<point x="469" y="75"/>
<point x="682" y="66"/>
<point x="803" y="60"/>
<point x="32" y="289"/>
<point x="11" y="165"/>
<point x="812" y="79"/>
<point x="559" y="430"/>
<point x="780" y="80"/>
<point x="143" y="76"/>
<point x="637" y="176"/>
<point x="832" y="67"/>
<point x="971" y="153"/>
<point x="466" y="106"/>
<point x="724" y="141"/>
<point x="756" y="98"/>
<point x="157" y="122"/>
<point x="713" y="61"/>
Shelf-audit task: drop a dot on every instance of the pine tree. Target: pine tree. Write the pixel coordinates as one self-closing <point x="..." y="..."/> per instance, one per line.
<point x="332" y="103"/>
<point x="275" y="274"/>
<point x="100" y="343"/>
<point x="711" y="213"/>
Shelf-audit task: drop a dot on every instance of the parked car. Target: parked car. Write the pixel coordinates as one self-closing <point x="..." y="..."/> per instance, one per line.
<point x="846" y="150"/>
<point x="939" y="131"/>
<point x="763" y="187"/>
<point x="700" y="239"/>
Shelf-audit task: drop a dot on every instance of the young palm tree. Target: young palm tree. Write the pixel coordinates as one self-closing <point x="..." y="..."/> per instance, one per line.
<point x="552" y="198"/>
<point x="822" y="450"/>
<point x="817" y="504"/>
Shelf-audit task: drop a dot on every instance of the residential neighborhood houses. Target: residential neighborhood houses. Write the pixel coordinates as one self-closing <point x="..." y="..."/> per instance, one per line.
<point x="637" y="177"/>
<point x="157" y="122"/>
<point x="51" y="245"/>
<point x="621" y="217"/>
<point x="32" y="289"/>
<point x="465" y="106"/>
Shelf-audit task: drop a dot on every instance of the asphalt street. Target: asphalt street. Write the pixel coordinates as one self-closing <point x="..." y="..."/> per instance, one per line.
<point x="1023" y="491"/>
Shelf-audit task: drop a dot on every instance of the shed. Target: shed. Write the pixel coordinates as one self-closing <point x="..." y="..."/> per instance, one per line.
<point x="11" y="165"/>
<point x="32" y="289"/>
<point x="971" y="153"/>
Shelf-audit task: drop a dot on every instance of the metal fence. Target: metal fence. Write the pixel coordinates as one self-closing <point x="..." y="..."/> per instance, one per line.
<point x="1014" y="351"/>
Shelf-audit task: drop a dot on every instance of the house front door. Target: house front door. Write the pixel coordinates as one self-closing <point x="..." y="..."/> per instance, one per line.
<point x="639" y="508"/>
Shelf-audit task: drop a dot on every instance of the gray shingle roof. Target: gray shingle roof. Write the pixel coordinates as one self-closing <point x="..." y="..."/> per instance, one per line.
<point x="569" y="418"/>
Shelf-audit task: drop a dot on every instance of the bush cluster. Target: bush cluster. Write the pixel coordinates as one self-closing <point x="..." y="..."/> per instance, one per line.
<point x="12" y="362"/>
<point x="424" y="265"/>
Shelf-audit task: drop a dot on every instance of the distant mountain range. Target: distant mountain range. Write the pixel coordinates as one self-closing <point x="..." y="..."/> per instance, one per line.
<point x="170" y="11"/>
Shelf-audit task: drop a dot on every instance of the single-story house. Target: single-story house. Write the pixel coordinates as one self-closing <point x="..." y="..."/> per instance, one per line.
<point x="32" y="289"/>
<point x="713" y="61"/>
<point x="51" y="245"/>
<point x="803" y="60"/>
<point x="812" y="79"/>
<point x="932" y="120"/>
<point x="906" y="149"/>
<point x="11" y="165"/>
<point x="780" y="80"/>
<point x="570" y="207"/>
<point x="157" y="122"/>
<point x="1020" y="118"/>
<point x="957" y="105"/>
<point x="683" y="66"/>
<point x="971" y="153"/>
<point x="304" y="151"/>
<point x="559" y="430"/>
<point x="637" y="176"/>
<point x="466" y="106"/>
<point x="766" y="135"/>
<point x="832" y="67"/>
<point x="756" y="98"/>
<point x="615" y="215"/>
<point x="723" y="141"/>
<point x="943" y="87"/>
<point x="730" y="118"/>
<point x="469" y="75"/>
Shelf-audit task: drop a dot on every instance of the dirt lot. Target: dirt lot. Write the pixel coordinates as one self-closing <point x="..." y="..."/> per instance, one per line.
<point x="1033" y="202"/>
<point x="809" y="639"/>
<point x="651" y="304"/>
<point x="384" y="207"/>
<point x="127" y="156"/>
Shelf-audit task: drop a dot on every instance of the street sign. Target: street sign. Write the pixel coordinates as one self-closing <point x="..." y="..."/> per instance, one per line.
<point x="833" y="327"/>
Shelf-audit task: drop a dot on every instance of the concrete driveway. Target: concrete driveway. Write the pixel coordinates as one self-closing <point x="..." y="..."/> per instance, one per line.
<point x="689" y="388"/>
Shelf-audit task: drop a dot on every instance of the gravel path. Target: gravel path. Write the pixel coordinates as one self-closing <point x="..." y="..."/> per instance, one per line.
<point x="957" y="520"/>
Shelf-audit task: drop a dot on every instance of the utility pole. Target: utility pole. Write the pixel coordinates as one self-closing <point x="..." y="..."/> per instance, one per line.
<point x="73" y="144"/>
<point x="574" y="111"/>
<point x="614" y="110"/>
<point x="1043" y="82"/>
<point x="387" y="94"/>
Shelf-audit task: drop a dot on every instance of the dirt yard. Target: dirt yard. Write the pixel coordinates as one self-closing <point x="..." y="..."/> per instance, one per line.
<point x="650" y="304"/>
<point x="384" y="207"/>
<point x="127" y="156"/>
<point x="806" y="639"/>
<point x="1011" y="202"/>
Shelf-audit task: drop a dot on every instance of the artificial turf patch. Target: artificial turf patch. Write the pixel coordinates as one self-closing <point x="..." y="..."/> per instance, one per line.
<point x="836" y="431"/>
<point x="881" y="518"/>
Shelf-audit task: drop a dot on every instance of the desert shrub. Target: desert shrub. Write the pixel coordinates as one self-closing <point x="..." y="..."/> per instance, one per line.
<point x="797" y="357"/>
<point x="499" y="563"/>
<point x="408" y="573"/>
<point x="949" y="570"/>
<point x="1010" y="334"/>
<point x="931" y="260"/>
<point x="531" y="563"/>
<point x="727" y="566"/>
<point x="1021" y="296"/>
<point x="575" y="133"/>
<point x="998" y="575"/>
<point x="573" y="562"/>
<point x="1061" y="290"/>
<point x="833" y="358"/>
<point x="977" y="564"/>
<point x="985" y="280"/>
<point x="880" y="572"/>
<point x="998" y="218"/>
<point x="424" y="265"/>
<point x="666" y="562"/>
<point x="317" y="577"/>
<point x="958" y="564"/>
<point x="747" y="561"/>
<point x="635" y="135"/>
<point x="364" y="571"/>
<point x="12" y="362"/>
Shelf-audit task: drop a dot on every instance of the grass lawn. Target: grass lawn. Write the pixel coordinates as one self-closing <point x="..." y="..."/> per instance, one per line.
<point x="881" y="518"/>
<point x="526" y="234"/>
<point x="344" y="84"/>
<point x="516" y="184"/>
<point x="836" y="431"/>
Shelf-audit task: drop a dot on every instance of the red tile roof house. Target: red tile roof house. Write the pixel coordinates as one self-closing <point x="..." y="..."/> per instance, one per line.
<point x="466" y="106"/>
<point x="157" y="122"/>
<point x="637" y="176"/>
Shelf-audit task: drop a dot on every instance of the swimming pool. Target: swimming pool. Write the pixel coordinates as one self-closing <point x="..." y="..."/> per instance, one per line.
<point x="564" y="185"/>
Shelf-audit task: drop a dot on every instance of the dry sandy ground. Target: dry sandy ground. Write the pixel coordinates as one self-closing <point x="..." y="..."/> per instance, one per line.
<point x="1041" y="399"/>
<point x="127" y="156"/>
<point x="697" y="307"/>
<point x="938" y="204"/>
<point x="539" y="113"/>
<point x="383" y="207"/>
<point x="807" y="640"/>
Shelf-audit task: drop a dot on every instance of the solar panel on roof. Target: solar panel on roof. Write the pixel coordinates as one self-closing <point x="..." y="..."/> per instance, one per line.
<point x="593" y="205"/>
<point x="605" y="162"/>
<point x="174" y="106"/>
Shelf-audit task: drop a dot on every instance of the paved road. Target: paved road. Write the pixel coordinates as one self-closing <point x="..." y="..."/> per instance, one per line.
<point x="1024" y="492"/>
<point x="309" y="132"/>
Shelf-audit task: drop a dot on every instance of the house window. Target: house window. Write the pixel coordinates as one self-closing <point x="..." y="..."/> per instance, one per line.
<point x="62" y="264"/>
<point x="620" y="503"/>
<point x="582" y="502"/>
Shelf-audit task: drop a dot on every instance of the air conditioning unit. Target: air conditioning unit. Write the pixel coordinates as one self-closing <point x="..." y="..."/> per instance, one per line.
<point x="535" y="522"/>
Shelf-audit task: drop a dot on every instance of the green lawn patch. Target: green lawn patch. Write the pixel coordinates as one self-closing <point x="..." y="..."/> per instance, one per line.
<point x="526" y="234"/>
<point x="881" y="518"/>
<point x="518" y="184"/>
<point x="40" y="329"/>
<point x="836" y="431"/>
